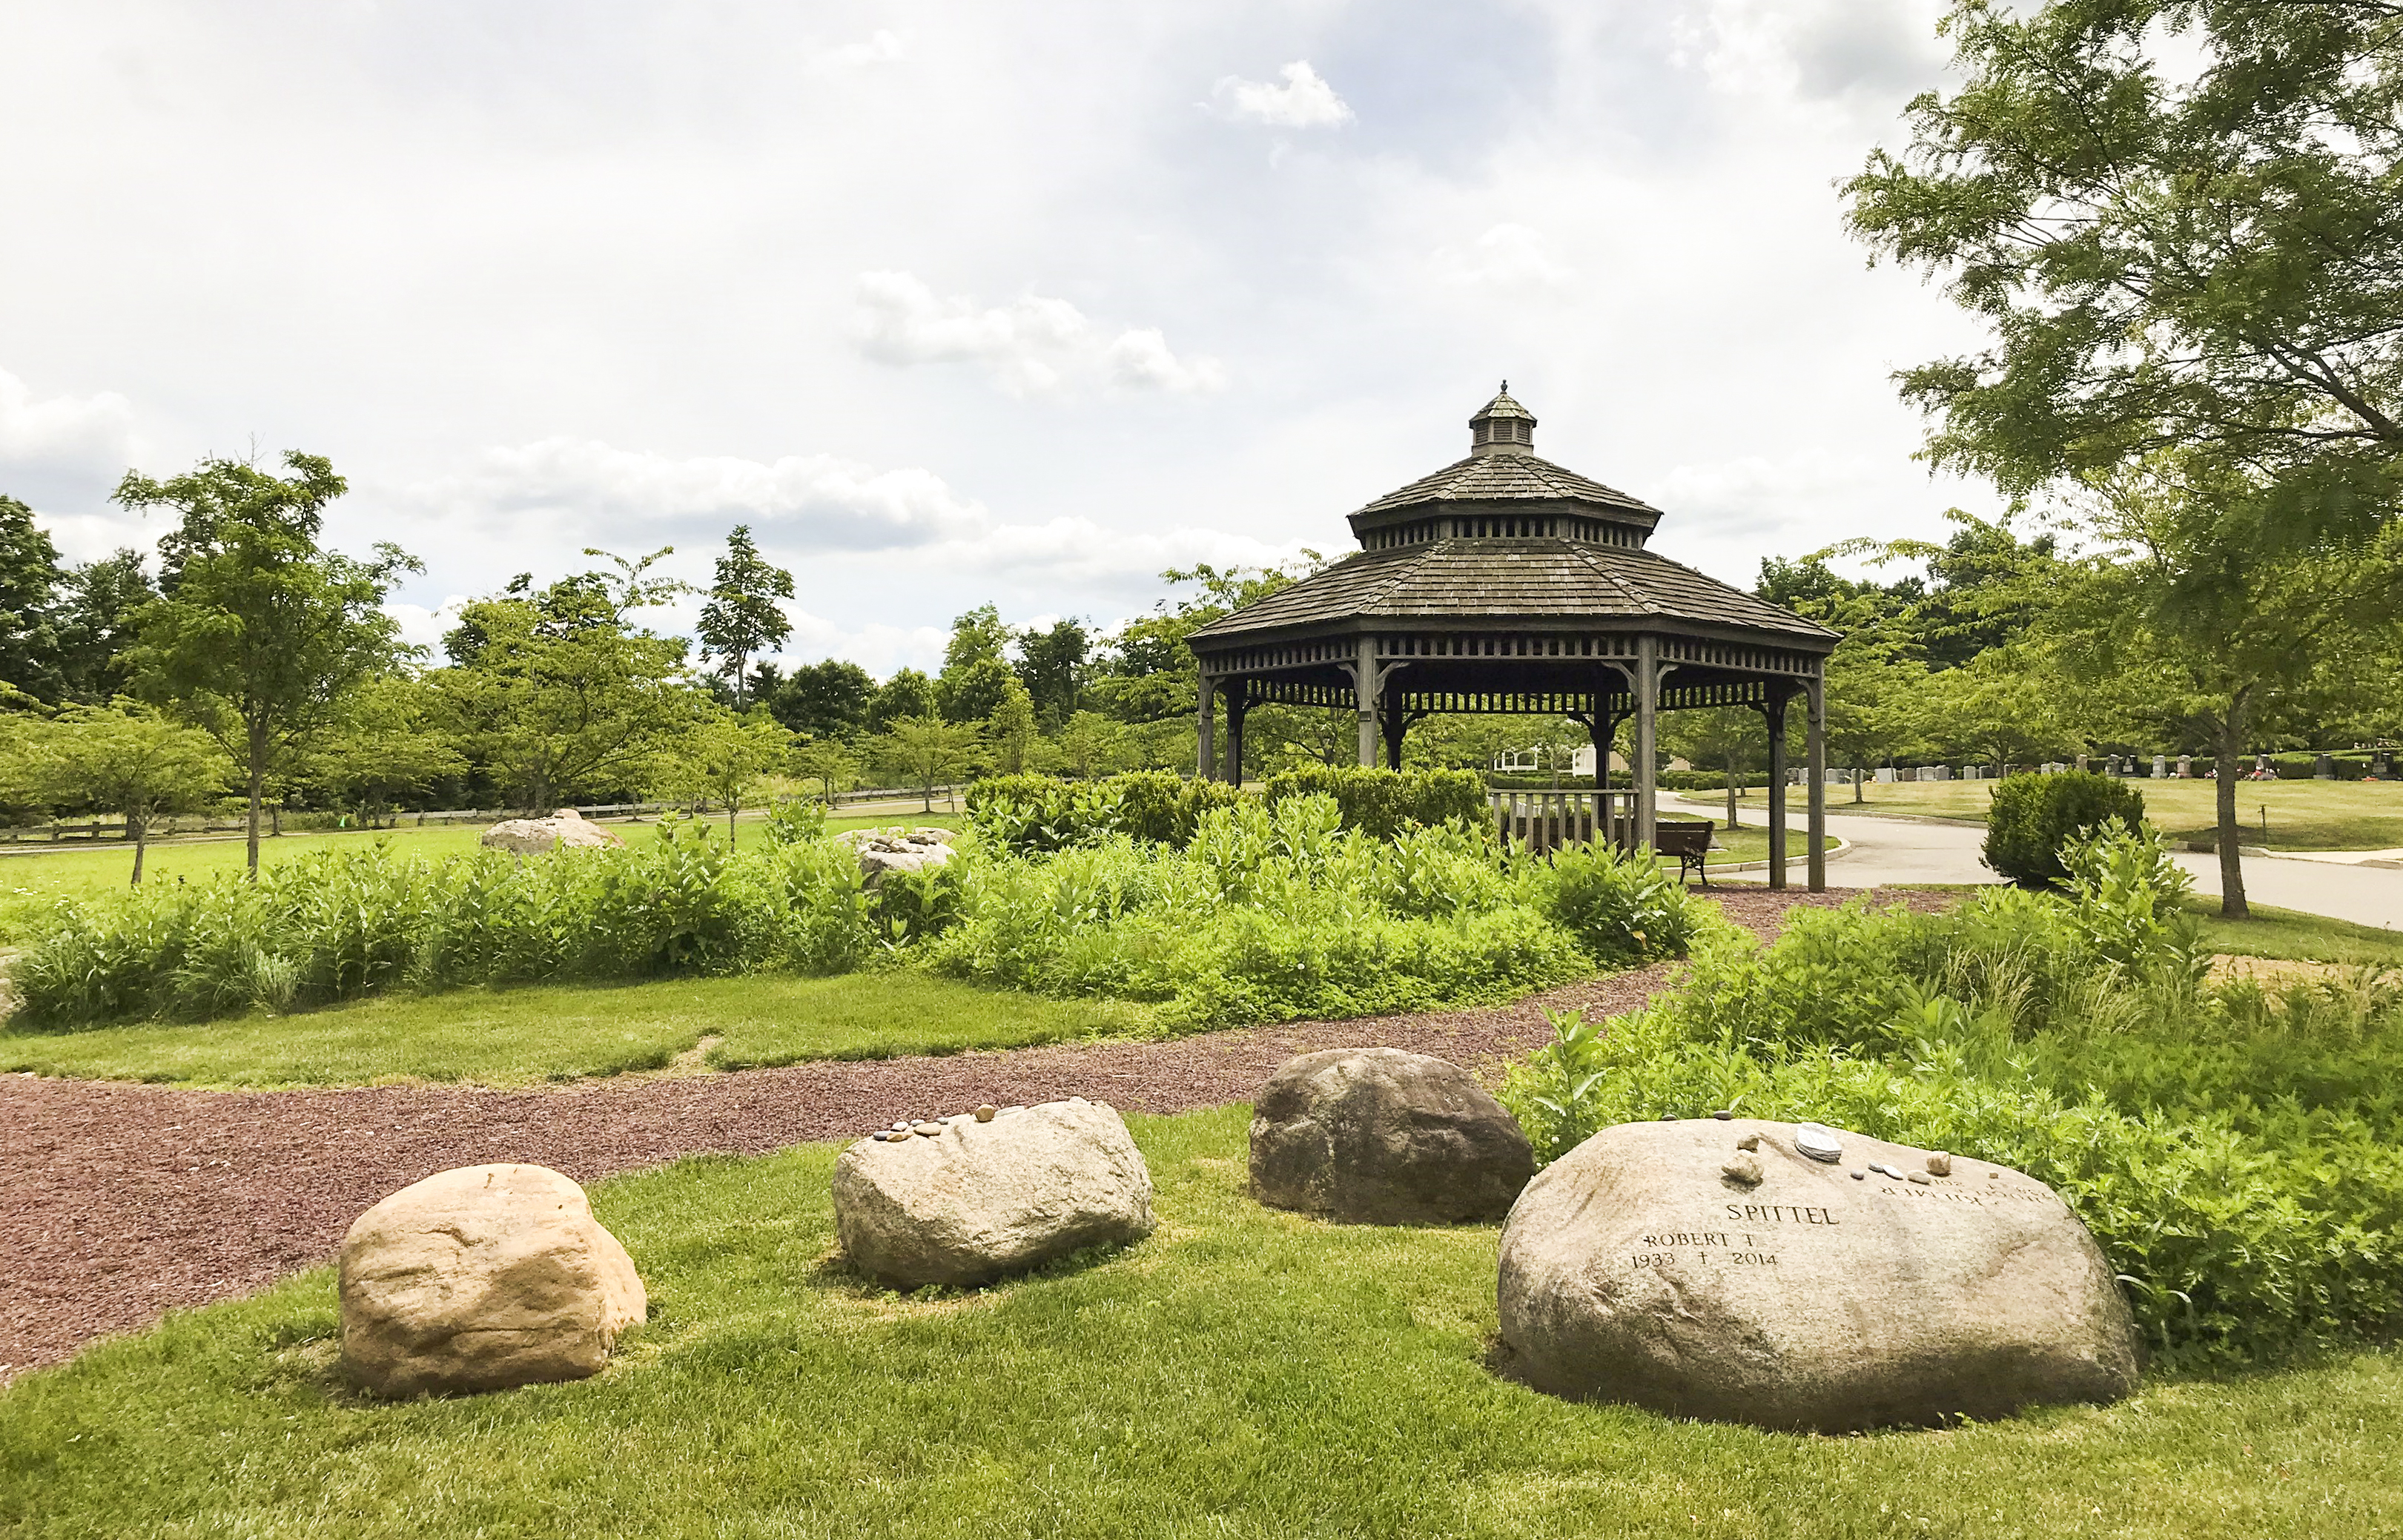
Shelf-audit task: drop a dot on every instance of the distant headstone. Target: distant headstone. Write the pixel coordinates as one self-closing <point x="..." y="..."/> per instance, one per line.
<point x="2323" y="768"/>
<point x="1676" y="1267"/>
<point x="479" y="1279"/>
<point x="2160" y="766"/>
<point x="2186" y="767"/>
<point x="1378" y="1136"/>
<point x="1885" y="775"/>
<point x="971" y="1200"/>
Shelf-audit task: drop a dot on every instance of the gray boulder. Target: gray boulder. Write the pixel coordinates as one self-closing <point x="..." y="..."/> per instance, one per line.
<point x="1661" y="1263"/>
<point x="566" y="829"/>
<point x="881" y="851"/>
<point x="1378" y="1136"/>
<point x="977" y="1201"/>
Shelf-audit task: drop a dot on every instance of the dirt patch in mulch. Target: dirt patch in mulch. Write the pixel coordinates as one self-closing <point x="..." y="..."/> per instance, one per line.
<point x="120" y="1202"/>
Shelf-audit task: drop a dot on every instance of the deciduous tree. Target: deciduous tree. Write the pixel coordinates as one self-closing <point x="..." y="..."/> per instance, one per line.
<point x="260" y="634"/>
<point x="742" y="617"/>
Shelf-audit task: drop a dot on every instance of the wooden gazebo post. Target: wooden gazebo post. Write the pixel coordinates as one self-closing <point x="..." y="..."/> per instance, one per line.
<point x="1814" y="750"/>
<point x="1204" y="736"/>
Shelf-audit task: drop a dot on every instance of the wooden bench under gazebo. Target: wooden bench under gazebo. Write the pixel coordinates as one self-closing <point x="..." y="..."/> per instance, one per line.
<point x="1503" y="583"/>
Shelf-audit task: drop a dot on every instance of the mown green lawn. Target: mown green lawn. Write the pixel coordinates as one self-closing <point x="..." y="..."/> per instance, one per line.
<point x="2287" y="934"/>
<point x="2301" y="814"/>
<point x="34" y="876"/>
<point x="1240" y="1373"/>
<point x="520" y="1037"/>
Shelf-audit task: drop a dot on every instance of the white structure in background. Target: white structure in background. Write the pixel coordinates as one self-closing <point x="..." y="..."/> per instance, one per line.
<point x="1538" y="760"/>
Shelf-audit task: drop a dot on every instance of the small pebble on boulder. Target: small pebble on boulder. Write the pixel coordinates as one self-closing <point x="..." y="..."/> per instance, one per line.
<point x="1378" y="1136"/>
<point x="972" y="1202"/>
<point x="566" y="829"/>
<point x="479" y="1279"/>
<point x="1631" y="1270"/>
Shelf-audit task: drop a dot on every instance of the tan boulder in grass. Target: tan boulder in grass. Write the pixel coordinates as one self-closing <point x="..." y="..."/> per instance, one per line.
<point x="566" y="829"/>
<point x="967" y="1200"/>
<point x="479" y="1279"/>
<point x="1667" y="1264"/>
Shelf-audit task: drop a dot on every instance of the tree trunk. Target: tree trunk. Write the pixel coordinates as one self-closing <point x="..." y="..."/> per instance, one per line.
<point x="2231" y="865"/>
<point x="1860" y="774"/>
<point x="141" y="830"/>
<point x="258" y="788"/>
<point x="1731" y="790"/>
<point x="729" y="823"/>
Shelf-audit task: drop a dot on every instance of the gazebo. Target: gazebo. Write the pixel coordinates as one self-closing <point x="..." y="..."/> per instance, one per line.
<point x="1503" y="583"/>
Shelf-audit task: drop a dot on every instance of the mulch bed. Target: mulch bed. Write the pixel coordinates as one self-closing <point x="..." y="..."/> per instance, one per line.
<point x="121" y="1201"/>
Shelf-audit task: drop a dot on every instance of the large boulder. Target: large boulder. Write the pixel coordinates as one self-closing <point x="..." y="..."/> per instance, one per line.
<point x="881" y="851"/>
<point x="1378" y="1136"/>
<point x="566" y="829"/>
<point x="1716" y="1270"/>
<point x="967" y="1201"/>
<point x="479" y="1279"/>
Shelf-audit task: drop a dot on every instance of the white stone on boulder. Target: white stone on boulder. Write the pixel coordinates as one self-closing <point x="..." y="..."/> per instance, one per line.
<point x="881" y="851"/>
<point x="977" y="1201"/>
<point x="479" y="1279"/>
<point x="566" y="829"/>
<point x="1642" y="1268"/>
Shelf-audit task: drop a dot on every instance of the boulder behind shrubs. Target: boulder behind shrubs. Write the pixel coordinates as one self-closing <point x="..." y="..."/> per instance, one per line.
<point x="1378" y="1136"/>
<point x="2033" y="815"/>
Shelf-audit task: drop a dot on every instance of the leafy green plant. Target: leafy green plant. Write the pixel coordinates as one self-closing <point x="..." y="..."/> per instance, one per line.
<point x="1555" y="1093"/>
<point x="2033" y="816"/>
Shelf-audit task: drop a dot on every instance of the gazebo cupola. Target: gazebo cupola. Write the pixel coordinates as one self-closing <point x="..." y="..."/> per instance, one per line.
<point x="1502" y="428"/>
<point x="1503" y="583"/>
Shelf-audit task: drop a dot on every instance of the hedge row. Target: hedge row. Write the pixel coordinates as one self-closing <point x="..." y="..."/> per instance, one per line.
<point x="1040" y="813"/>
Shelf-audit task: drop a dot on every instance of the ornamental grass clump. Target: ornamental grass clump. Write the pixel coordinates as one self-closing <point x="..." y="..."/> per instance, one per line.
<point x="2237" y="1151"/>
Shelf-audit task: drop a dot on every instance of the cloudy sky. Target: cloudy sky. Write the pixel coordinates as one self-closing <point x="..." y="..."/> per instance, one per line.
<point x="954" y="302"/>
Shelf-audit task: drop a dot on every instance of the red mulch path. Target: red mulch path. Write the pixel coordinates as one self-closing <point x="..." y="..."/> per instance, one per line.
<point x="121" y="1201"/>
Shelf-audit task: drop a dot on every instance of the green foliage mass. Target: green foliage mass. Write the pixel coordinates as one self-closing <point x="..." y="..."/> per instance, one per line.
<point x="2234" y="1151"/>
<point x="1385" y="802"/>
<point x="2033" y="816"/>
<point x="1271" y="913"/>
<point x="1264" y="914"/>
<point x="1042" y="813"/>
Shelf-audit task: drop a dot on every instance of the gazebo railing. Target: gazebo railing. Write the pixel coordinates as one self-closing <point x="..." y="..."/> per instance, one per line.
<point x="1544" y="821"/>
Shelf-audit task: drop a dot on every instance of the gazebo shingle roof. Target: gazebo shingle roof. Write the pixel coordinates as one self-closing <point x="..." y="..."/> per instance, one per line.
<point x="1508" y="478"/>
<point x="1534" y="580"/>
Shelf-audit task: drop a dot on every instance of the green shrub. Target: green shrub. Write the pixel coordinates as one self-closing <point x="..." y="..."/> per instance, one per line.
<point x="1250" y="912"/>
<point x="1382" y="803"/>
<point x="1036" y="813"/>
<point x="1621" y="908"/>
<point x="2238" y="1154"/>
<point x="2033" y="815"/>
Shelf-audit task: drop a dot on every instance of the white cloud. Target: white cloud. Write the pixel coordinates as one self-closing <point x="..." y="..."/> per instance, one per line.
<point x="880" y="48"/>
<point x="1030" y="346"/>
<point x="1303" y="101"/>
<point x="810" y="501"/>
<point x="70" y="433"/>
<point x="1505" y="256"/>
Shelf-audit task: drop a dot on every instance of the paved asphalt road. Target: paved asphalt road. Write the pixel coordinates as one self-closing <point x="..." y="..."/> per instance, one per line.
<point x="1897" y="850"/>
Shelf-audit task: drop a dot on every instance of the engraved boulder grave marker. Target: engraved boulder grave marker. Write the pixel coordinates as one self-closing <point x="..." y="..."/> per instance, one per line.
<point x="1824" y="1296"/>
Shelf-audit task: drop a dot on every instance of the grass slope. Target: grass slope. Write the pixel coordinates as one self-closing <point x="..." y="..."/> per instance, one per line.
<point x="1241" y="1373"/>
<point x="504" y="1037"/>
<point x="2302" y="815"/>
